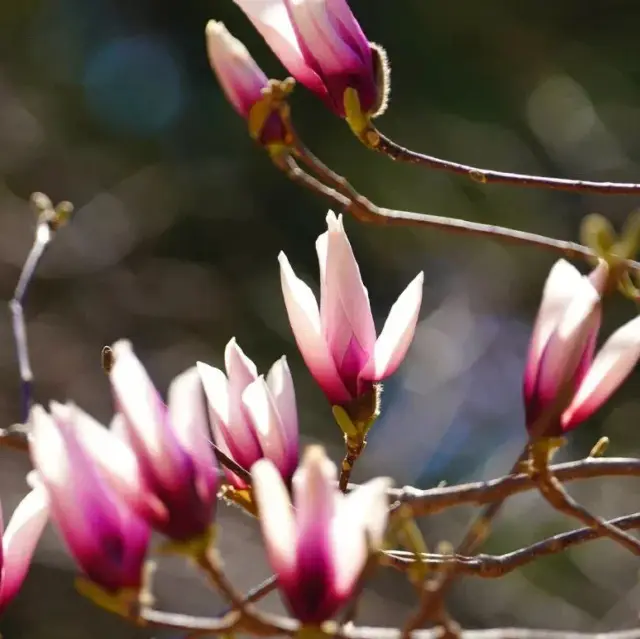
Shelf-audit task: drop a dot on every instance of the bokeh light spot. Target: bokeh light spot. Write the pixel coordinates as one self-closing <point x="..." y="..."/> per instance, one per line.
<point x="134" y="85"/>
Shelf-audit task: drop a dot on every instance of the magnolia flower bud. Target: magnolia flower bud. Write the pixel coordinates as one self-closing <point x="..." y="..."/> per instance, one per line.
<point x="170" y="443"/>
<point x="338" y="339"/>
<point x="320" y="550"/>
<point x="243" y="82"/>
<point x="561" y="365"/>
<point x="106" y="538"/>
<point x="252" y="418"/>
<point x="323" y="47"/>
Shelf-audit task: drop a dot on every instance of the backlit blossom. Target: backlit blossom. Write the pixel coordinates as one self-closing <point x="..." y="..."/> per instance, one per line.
<point x="319" y="549"/>
<point x="241" y="79"/>
<point x="19" y="541"/>
<point x="252" y="417"/>
<point x="106" y="538"/>
<point x="170" y="442"/>
<point x="338" y="338"/>
<point x="561" y="366"/>
<point x="323" y="47"/>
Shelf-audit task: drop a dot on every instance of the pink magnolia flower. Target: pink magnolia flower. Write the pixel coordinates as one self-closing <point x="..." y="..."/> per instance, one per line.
<point x="252" y="417"/>
<point x="106" y="538"/>
<point x="323" y="47"/>
<point x="170" y="443"/>
<point x="242" y="80"/>
<point x="561" y="353"/>
<point x="19" y="541"/>
<point x="338" y="340"/>
<point x="319" y="550"/>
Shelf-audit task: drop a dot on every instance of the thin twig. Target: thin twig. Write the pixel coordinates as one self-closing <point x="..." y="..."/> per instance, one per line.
<point x="260" y="591"/>
<point x="345" y="197"/>
<point x="552" y="490"/>
<point x="377" y="141"/>
<point x="492" y="633"/>
<point x="434" y="500"/>
<point x="495" y="566"/>
<point x="285" y="626"/>
<point x="48" y="223"/>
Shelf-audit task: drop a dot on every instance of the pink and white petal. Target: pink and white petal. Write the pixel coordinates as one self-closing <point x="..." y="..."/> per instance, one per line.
<point x="80" y="503"/>
<point x="322" y="244"/>
<point x="263" y="414"/>
<point x="241" y="372"/>
<point x="271" y="19"/>
<point x="20" y="540"/>
<point x="340" y="11"/>
<point x="396" y="336"/>
<point x="276" y="519"/>
<point x="314" y="28"/>
<point x="280" y="385"/>
<point x="188" y="416"/>
<point x="557" y="294"/>
<point x="108" y="448"/>
<point x="145" y="414"/>
<point x="316" y="497"/>
<point x="238" y="434"/>
<point x="343" y="275"/>
<point x="335" y="323"/>
<point x="567" y="343"/>
<point x="241" y="78"/>
<point x="361" y="519"/>
<point x="315" y="492"/>
<point x="611" y="366"/>
<point x="304" y="317"/>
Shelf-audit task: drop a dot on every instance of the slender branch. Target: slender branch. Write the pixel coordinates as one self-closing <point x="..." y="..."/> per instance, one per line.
<point x="284" y="626"/>
<point x="495" y="566"/>
<point x="209" y="563"/>
<point x="434" y="500"/>
<point x="49" y="220"/>
<point x="345" y="197"/>
<point x="374" y="139"/>
<point x="197" y="625"/>
<point x="492" y="633"/>
<point x="552" y="490"/>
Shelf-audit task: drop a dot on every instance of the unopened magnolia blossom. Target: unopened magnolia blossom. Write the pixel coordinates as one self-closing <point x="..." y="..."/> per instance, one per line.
<point x="19" y="541"/>
<point x="242" y="80"/>
<point x="171" y="445"/>
<point x="322" y="45"/>
<point x="252" y="417"/>
<point x="106" y="538"/>
<point x="318" y="550"/>
<point x="561" y="366"/>
<point x="338" y="340"/>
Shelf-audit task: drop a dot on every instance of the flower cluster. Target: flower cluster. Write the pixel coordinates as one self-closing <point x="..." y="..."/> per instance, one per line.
<point x="322" y="46"/>
<point x="154" y="468"/>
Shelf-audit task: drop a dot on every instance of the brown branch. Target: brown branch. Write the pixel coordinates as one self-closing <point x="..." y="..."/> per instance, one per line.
<point x="345" y="197"/>
<point x="374" y="139"/>
<point x="552" y="490"/>
<point x="495" y="566"/>
<point x="492" y="633"/>
<point x="434" y="500"/>
<point x="195" y="625"/>
<point x="284" y="626"/>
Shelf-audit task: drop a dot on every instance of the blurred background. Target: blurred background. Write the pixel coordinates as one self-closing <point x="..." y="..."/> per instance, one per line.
<point x="111" y="104"/>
